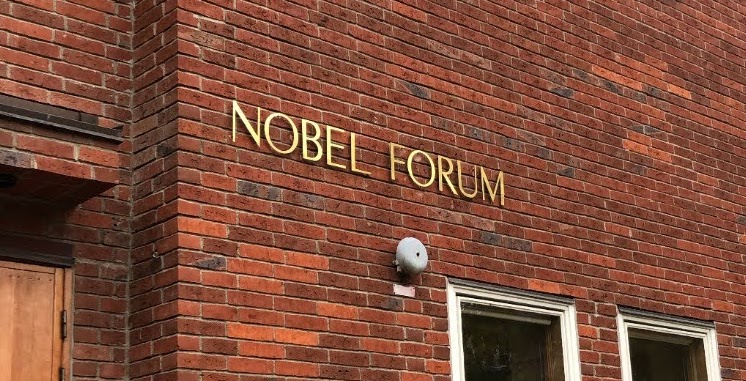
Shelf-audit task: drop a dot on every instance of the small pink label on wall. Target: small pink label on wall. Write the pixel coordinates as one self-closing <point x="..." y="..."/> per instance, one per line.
<point x="407" y="291"/>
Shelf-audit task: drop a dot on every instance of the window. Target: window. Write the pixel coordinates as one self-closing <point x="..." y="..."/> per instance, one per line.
<point x="666" y="348"/>
<point x="500" y="334"/>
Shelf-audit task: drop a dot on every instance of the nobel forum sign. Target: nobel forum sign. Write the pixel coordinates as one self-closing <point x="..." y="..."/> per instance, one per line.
<point x="449" y="173"/>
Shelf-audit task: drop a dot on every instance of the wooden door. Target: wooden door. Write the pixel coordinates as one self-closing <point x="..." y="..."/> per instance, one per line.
<point x="32" y="327"/>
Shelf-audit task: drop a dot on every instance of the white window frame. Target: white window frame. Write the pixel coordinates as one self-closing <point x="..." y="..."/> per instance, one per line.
<point x="669" y="325"/>
<point x="515" y="300"/>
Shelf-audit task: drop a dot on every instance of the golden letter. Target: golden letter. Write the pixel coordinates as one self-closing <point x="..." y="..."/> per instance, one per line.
<point x="255" y="133"/>
<point x="461" y="181"/>
<point x="353" y="156"/>
<point x="411" y="171"/>
<point x="315" y="140"/>
<point x="443" y="175"/>
<point x="499" y="184"/>
<point x="330" y="144"/>
<point x="394" y="160"/>
<point x="268" y="124"/>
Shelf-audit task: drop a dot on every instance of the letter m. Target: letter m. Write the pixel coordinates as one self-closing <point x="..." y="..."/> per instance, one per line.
<point x="499" y="186"/>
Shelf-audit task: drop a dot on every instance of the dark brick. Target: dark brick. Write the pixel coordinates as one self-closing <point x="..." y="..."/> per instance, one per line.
<point x="475" y="132"/>
<point x="417" y="90"/>
<point x="215" y="263"/>
<point x="638" y="96"/>
<point x="544" y="153"/>
<point x="645" y="129"/>
<point x="490" y="238"/>
<point x="637" y="169"/>
<point x="517" y="244"/>
<point x="513" y="144"/>
<point x="729" y="374"/>
<point x="266" y="192"/>
<point x="392" y="304"/>
<point x="166" y="148"/>
<point x="653" y="91"/>
<point x="16" y="159"/>
<point x="563" y="92"/>
<point x="581" y="74"/>
<point x="567" y="172"/>
<point x="611" y="86"/>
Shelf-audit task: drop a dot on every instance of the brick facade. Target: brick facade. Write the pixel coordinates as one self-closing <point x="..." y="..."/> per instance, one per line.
<point x="618" y="126"/>
<point x="74" y="55"/>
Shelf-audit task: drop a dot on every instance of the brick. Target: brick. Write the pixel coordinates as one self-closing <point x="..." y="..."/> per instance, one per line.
<point x="36" y="15"/>
<point x="17" y="57"/>
<point x="264" y="350"/>
<point x="307" y="260"/>
<point x="66" y="70"/>
<point x="296" y="369"/>
<point x="35" y="47"/>
<point x="378" y="345"/>
<point x="75" y="41"/>
<point x="244" y="331"/>
<point x="91" y="352"/>
<point x="82" y="13"/>
<point x="296" y="337"/>
<point x="63" y="167"/>
<point x="219" y="279"/>
<point x="679" y="91"/>
<point x="296" y="274"/>
<point x="23" y="91"/>
<point x="228" y="347"/>
<point x="16" y="159"/>
<point x="337" y="310"/>
<point x="202" y="227"/>
<point x="77" y="103"/>
<point x="98" y="156"/>
<point x="30" y="29"/>
<point x="249" y="365"/>
<point x="201" y="361"/>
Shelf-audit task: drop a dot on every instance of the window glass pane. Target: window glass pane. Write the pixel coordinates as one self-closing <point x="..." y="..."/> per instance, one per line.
<point x="657" y="360"/>
<point x="507" y="346"/>
<point x="666" y="357"/>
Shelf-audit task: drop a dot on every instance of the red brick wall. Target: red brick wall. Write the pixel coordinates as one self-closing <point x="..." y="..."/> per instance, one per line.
<point x="153" y="304"/>
<point x="75" y="55"/>
<point x="618" y="126"/>
<point x="72" y="54"/>
<point x="618" y="129"/>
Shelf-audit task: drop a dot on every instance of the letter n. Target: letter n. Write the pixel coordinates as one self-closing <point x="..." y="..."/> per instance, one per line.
<point x="256" y="133"/>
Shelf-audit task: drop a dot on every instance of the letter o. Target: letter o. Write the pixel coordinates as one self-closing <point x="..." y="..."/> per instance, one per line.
<point x="411" y="172"/>
<point x="268" y="123"/>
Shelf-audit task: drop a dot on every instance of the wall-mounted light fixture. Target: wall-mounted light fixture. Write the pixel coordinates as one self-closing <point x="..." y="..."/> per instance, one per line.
<point x="411" y="256"/>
